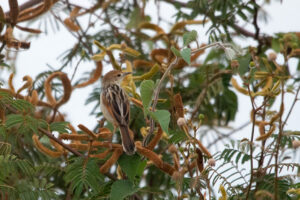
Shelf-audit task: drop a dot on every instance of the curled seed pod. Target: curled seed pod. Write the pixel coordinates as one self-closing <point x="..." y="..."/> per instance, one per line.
<point x="267" y="135"/>
<point x="86" y="130"/>
<point x="203" y="149"/>
<point x="44" y="149"/>
<point x="34" y="98"/>
<point x="149" y="154"/>
<point x="154" y="27"/>
<point x="96" y="75"/>
<point x="104" y="133"/>
<point x="57" y="146"/>
<point x="66" y="136"/>
<point x="182" y="24"/>
<point x="155" y="139"/>
<point x="239" y="88"/>
<point x="261" y="126"/>
<point x="142" y="63"/>
<point x="136" y="102"/>
<point x="112" y="160"/>
<point x="28" y="84"/>
<point x="266" y="88"/>
<point x="67" y="89"/>
<point x="10" y="83"/>
<point x="147" y="75"/>
<point x="158" y="55"/>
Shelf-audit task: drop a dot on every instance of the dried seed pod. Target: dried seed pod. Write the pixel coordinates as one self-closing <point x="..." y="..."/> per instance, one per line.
<point x="66" y="136"/>
<point x="147" y="75"/>
<point x="112" y="160"/>
<point x="149" y="154"/>
<point x="142" y="63"/>
<point x="86" y="130"/>
<point x="199" y="160"/>
<point x="10" y="83"/>
<point x="71" y="25"/>
<point x="267" y="135"/>
<point x="182" y="24"/>
<point x="31" y="13"/>
<point x="44" y="149"/>
<point x="158" y="55"/>
<point x="29" y="30"/>
<point x="155" y="139"/>
<point x="14" y="11"/>
<point x="67" y="89"/>
<point x="96" y="75"/>
<point x="104" y="133"/>
<point x="203" y="149"/>
<point x="34" y="98"/>
<point x="28" y="84"/>
<point x="178" y="105"/>
<point x="239" y="88"/>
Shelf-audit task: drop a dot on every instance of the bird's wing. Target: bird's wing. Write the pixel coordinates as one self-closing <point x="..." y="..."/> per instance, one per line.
<point x="117" y="104"/>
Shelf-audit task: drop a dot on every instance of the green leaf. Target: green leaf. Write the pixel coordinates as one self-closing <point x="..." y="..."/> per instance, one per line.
<point x="147" y="89"/>
<point x="60" y="127"/>
<point x="132" y="166"/>
<point x="121" y="189"/>
<point x="13" y="120"/>
<point x="189" y="37"/>
<point x="22" y="105"/>
<point x="5" y="148"/>
<point x="175" y="51"/>
<point x="163" y="118"/>
<point x="186" y="55"/>
<point x="83" y="175"/>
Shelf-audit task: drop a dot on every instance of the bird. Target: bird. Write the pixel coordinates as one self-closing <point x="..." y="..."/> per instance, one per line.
<point x="115" y="107"/>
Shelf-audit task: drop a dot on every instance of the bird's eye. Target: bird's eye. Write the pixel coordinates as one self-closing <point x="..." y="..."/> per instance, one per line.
<point x="119" y="75"/>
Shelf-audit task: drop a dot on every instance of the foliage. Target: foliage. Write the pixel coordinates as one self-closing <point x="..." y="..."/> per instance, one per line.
<point x="182" y="93"/>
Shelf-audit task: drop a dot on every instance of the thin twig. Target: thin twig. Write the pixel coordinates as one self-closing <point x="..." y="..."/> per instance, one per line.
<point x="278" y="142"/>
<point x="292" y="107"/>
<point x="156" y="94"/>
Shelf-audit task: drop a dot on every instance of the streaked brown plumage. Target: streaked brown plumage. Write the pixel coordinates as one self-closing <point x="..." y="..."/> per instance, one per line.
<point x="115" y="107"/>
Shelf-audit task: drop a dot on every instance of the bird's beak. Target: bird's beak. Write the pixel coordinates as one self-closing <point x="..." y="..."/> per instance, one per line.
<point x="126" y="73"/>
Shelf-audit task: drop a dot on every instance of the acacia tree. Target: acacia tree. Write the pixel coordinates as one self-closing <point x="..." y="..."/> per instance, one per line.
<point x="179" y="89"/>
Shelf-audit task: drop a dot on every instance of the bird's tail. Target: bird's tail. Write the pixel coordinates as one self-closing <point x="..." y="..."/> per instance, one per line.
<point x="127" y="140"/>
